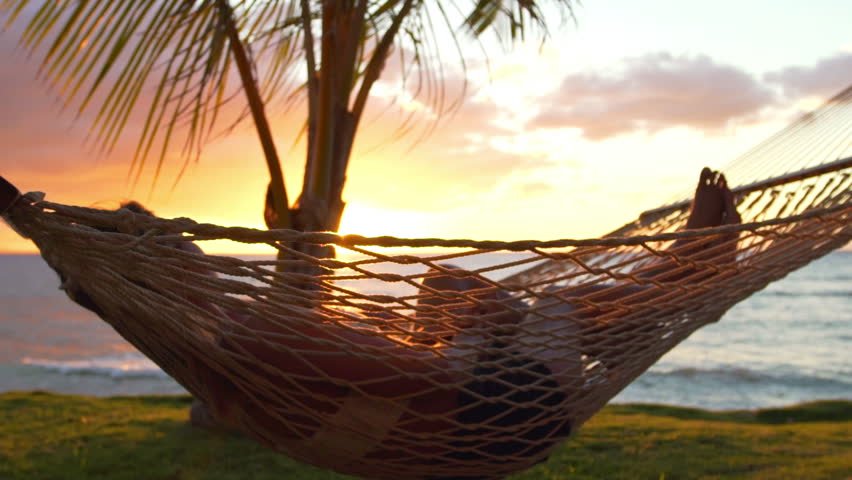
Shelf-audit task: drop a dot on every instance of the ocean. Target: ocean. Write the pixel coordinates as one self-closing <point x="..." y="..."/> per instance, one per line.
<point x="787" y="344"/>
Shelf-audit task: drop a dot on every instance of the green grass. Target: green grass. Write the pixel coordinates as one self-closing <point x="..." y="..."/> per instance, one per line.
<point x="47" y="436"/>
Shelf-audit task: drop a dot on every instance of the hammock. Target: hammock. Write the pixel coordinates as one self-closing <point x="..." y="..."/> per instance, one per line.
<point x="530" y="339"/>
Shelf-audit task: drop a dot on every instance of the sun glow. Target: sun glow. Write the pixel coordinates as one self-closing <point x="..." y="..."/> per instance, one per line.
<point x="373" y="222"/>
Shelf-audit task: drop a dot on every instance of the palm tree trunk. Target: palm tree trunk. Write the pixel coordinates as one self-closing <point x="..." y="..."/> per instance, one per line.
<point x="277" y="212"/>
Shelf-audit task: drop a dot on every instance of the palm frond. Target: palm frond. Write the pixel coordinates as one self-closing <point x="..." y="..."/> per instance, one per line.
<point x="518" y="16"/>
<point x="168" y="61"/>
<point x="164" y="68"/>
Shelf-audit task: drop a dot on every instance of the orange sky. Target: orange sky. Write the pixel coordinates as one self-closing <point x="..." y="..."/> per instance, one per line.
<point x="572" y="140"/>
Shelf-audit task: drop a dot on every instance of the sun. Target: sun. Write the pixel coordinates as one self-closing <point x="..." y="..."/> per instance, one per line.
<point x="374" y="222"/>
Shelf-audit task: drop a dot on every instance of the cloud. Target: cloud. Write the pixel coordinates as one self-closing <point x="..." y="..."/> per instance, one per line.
<point x="450" y="100"/>
<point x="434" y="99"/>
<point x="443" y="176"/>
<point x="652" y="93"/>
<point x="535" y="189"/>
<point x="482" y="167"/>
<point x="824" y="79"/>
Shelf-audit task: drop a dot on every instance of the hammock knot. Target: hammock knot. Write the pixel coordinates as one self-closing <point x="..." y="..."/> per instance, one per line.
<point x="332" y="264"/>
<point x="131" y="223"/>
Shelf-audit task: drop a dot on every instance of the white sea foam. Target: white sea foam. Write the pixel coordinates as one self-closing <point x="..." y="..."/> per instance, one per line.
<point x="129" y="365"/>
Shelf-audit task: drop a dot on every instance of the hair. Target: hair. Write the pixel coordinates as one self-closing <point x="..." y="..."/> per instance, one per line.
<point x="136" y="207"/>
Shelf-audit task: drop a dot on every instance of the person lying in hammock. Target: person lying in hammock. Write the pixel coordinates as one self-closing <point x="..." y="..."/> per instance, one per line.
<point x="474" y="384"/>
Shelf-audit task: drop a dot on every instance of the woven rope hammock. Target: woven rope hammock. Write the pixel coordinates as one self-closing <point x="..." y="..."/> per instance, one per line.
<point x="402" y="366"/>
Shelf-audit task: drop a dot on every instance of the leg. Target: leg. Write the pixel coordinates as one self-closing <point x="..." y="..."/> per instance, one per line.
<point x="712" y="206"/>
<point x="596" y="307"/>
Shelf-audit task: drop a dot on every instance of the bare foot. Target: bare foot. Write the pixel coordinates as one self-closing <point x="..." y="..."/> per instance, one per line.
<point x="708" y="204"/>
<point x="712" y="206"/>
<point x="730" y="215"/>
<point x="727" y="243"/>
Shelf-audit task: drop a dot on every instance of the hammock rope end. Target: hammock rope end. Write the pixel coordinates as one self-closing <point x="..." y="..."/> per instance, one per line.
<point x="9" y="195"/>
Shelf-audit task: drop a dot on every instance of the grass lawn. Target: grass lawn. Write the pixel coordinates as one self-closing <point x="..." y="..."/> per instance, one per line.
<point x="47" y="436"/>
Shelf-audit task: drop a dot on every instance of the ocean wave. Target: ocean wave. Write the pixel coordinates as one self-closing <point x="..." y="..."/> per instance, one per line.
<point x="837" y="278"/>
<point x="744" y="375"/>
<point x="799" y="294"/>
<point x="126" y="366"/>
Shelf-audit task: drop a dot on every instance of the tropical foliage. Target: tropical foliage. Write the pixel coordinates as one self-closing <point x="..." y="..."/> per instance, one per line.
<point x="184" y="60"/>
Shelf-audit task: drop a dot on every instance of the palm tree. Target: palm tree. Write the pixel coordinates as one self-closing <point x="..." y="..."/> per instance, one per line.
<point x="326" y="53"/>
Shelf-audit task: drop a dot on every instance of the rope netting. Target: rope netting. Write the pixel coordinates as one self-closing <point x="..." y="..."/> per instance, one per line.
<point x="469" y="361"/>
<point x="449" y="358"/>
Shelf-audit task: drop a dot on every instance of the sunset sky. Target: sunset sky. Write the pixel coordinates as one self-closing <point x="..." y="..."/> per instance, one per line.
<point x="617" y="113"/>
